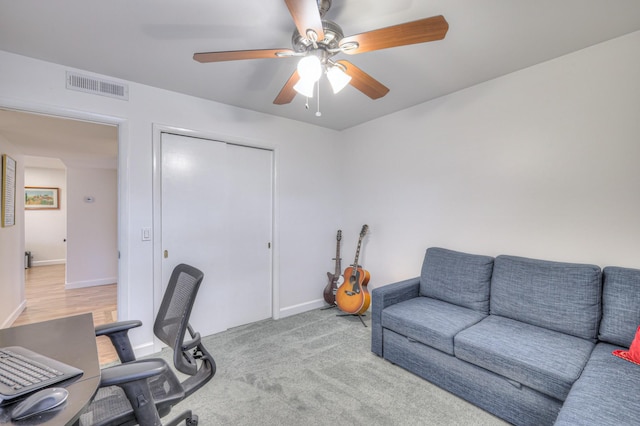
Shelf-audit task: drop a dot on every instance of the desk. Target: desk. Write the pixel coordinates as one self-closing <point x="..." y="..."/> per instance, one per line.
<point x="70" y="340"/>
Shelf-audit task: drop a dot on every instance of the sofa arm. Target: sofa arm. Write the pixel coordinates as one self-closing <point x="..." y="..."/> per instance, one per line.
<point x="386" y="296"/>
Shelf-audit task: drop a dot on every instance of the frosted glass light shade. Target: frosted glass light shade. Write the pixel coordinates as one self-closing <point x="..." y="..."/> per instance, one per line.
<point x="310" y="68"/>
<point x="338" y="79"/>
<point x="305" y="87"/>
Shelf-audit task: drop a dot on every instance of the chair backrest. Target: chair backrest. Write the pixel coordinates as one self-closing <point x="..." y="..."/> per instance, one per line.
<point x="172" y="321"/>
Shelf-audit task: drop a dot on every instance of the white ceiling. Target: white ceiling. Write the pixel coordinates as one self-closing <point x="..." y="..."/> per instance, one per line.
<point x="153" y="41"/>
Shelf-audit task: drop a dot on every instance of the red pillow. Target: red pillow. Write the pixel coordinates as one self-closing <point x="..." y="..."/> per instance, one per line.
<point x="633" y="354"/>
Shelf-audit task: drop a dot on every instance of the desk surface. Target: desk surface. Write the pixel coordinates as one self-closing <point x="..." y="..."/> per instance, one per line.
<point x="70" y="340"/>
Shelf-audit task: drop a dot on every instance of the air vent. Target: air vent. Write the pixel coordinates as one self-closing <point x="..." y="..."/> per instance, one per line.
<point x="98" y="86"/>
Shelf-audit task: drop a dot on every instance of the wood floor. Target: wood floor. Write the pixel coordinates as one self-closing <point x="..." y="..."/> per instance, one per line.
<point x="47" y="299"/>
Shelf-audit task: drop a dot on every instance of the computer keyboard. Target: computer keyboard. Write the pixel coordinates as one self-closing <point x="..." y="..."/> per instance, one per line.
<point x="23" y="371"/>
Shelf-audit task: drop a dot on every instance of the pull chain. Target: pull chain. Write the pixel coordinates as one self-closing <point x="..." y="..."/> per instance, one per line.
<point x="318" y="113"/>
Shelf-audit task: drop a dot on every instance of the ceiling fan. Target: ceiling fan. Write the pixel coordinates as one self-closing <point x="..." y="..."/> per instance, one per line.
<point x="317" y="40"/>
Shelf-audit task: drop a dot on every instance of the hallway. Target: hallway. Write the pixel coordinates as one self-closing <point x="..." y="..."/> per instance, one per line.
<point x="47" y="299"/>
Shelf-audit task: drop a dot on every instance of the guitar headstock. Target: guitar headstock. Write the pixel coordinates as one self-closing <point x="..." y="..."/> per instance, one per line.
<point x="339" y="235"/>
<point x="364" y="230"/>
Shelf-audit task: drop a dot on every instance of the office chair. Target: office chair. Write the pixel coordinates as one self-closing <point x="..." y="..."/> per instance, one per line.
<point x="143" y="391"/>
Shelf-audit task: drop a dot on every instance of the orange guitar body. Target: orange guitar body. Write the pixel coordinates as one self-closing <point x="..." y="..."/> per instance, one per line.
<point x="352" y="296"/>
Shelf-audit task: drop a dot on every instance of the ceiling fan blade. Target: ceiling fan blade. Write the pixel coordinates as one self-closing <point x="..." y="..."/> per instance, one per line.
<point x="306" y="16"/>
<point x="420" y="31"/>
<point x="234" y="55"/>
<point x="287" y="93"/>
<point x="363" y="81"/>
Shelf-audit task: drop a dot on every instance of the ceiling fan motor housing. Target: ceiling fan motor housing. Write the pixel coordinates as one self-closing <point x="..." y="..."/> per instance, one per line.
<point x="332" y="36"/>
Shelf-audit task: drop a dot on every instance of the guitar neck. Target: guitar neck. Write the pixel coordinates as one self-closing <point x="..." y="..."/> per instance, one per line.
<point x="355" y="261"/>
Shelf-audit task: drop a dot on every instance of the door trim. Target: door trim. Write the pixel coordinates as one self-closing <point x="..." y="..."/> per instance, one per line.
<point x="123" y="311"/>
<point x="158" y="130"/>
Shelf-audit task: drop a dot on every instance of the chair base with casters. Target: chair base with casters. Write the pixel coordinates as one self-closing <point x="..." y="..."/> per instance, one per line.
<point x="144" y="391"/>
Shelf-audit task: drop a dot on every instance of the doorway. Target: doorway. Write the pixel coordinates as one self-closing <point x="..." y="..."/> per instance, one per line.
<point x="216" y="214"/>
<point x="82" y="143"/>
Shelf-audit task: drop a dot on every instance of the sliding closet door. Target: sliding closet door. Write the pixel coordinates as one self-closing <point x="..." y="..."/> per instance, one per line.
<point x="216" y="216"/>
<point x="249" y="202"/>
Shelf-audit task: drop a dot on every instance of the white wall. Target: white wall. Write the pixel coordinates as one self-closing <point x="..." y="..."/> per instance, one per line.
<point x="92" y="243"/>
<point x="12" y="248"/>
<point x="541" y="163"/>
<point x="45" y="230"/>
<point x="306" y="186"/>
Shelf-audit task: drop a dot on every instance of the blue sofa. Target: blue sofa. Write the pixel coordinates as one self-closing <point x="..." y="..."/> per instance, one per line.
<point x="527" y="340"/>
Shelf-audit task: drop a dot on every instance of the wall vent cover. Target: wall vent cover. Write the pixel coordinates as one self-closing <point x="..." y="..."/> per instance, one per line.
<point x="98" y="86"/>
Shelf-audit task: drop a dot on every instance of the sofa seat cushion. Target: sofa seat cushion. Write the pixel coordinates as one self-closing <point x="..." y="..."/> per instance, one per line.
<point x="429" y="321"/>
<point x="541" y="359"/>
<point x="455" y="277"/>
<point x="564" y="297"/>
<point x="605" y="394"/>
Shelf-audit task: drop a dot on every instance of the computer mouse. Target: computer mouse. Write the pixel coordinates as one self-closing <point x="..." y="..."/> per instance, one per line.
<point x="43" y="400"/>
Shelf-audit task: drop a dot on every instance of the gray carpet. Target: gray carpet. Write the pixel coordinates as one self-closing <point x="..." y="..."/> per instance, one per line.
<point x="317" y="369"/>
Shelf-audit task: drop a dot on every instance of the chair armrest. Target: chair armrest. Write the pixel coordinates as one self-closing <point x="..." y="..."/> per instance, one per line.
<point x="383" y="297"/>
<point x="132" y="379"/>
<point x="114" y="327"/>
<point x="118" y="332"/>
<point x="131" y="371"/>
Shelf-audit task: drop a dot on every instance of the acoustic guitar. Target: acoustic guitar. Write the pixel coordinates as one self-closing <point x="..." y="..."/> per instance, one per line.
<point x="335" y="279"/>
<point x="353" y="297"/>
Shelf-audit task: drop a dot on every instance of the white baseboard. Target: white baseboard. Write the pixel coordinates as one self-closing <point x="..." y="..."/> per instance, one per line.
<point x="144" y="350"/>
<point x="302" y="307"/>
<point x="48" y="262"/>
<point x="90" y="283"/>
<point x="14" y="315"/>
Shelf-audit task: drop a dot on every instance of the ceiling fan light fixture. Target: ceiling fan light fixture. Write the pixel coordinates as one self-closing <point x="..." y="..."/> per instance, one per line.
<point x="337" y="78"/>
<point x="305" y="87"/>
<point x="310" y="68"/>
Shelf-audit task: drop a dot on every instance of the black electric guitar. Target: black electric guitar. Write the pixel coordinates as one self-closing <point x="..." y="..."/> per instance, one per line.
<point x="335" y="279"/>
<point x="353" y="297"/>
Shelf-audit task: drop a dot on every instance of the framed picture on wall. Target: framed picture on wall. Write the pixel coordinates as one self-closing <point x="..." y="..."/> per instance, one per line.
<point x="41" y="198"/>
<point x="8" y="191"/>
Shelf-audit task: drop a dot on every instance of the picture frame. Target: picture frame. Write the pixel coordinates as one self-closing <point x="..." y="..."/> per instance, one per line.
<point x="41" y="198"/>
<point x="8" y="191"/>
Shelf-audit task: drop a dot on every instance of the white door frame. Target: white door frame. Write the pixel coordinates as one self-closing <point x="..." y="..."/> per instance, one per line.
<point x="158" y="130"/>
<point x="122" y="124"/>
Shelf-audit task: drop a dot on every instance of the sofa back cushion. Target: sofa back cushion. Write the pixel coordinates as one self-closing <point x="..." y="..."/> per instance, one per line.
<point x="459" y="278"/>
<point x="620" y="305"/>
<point x="564" y="297"/>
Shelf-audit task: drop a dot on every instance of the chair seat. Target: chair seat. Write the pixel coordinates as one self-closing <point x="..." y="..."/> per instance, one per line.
<point x="111" y="406"/>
